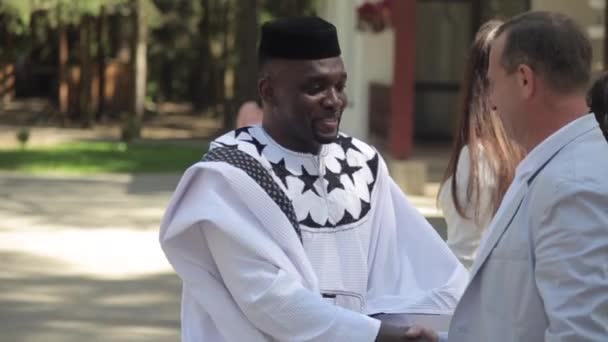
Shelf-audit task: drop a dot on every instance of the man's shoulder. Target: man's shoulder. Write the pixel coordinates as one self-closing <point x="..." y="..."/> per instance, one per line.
<point x="584" y="161"/>
<point x="234" y="137"/>
<point x="248" y="141"/>
<point x="243" y="148"/>
<point x="578" y="169"/>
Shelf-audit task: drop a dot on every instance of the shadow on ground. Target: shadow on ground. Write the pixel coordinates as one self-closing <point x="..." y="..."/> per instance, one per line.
<point x="136" y="201"/>
<point x="39" y="303"/>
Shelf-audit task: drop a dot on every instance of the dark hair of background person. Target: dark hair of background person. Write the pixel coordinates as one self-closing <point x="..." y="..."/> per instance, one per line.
<point x="597" y="98"/>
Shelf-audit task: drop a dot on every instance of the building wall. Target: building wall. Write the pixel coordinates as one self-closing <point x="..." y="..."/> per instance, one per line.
<point x="368" y="58"/>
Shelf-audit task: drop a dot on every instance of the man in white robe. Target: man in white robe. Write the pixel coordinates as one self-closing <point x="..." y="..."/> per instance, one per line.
<point x="292" y="231"/>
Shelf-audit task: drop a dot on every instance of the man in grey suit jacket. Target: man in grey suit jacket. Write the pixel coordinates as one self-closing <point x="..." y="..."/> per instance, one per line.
<point x="542" y="271"/>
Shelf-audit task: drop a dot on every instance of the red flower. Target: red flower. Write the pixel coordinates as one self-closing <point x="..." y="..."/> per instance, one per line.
<point x="374" y="15"/>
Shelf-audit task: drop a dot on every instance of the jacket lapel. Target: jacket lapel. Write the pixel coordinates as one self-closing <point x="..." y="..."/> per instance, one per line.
<point x="498" y="229"/>
<point x="584" y="125"/>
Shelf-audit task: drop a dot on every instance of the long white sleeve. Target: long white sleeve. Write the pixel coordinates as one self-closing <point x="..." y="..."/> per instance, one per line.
<point x="411" y="268"/>
<point x="255" y="270"/>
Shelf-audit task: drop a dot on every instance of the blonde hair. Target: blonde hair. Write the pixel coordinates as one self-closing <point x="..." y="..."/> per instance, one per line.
<point x="481" y="129"/>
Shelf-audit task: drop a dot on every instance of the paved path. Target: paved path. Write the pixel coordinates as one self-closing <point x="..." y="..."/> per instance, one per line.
<point x="81" y="262"/>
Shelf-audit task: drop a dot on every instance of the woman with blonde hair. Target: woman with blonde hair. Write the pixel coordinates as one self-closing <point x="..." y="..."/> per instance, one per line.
<point x="483" y="160"/>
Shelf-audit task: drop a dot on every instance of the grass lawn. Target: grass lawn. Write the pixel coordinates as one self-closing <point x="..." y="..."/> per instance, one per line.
<point x="102" y="157"/>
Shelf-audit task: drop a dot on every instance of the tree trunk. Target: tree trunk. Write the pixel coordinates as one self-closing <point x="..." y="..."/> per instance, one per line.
<point x="138" y="59"/>
<point x="63" y="87"/>
<point x="85" y="110"/>
<point x="101" y="60"/>
<point x="222" y="105"/>
<point x="166" y="79"/>
<point x="246" y="69"/>
<point x="119" y="41"/>
<point x="203" y="95"/>
<point x="7" y="62"/>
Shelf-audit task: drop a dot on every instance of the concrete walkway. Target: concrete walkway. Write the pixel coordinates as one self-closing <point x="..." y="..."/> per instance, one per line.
<point x="81" y="262"/>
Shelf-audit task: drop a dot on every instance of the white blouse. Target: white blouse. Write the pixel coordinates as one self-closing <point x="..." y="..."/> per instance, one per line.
<point x="465" y="233"/>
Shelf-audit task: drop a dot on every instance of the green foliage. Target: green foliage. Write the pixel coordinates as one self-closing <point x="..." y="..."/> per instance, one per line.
<point x="103" y="157"/>
<point x="17" y="16"/>
<point x="67" y="11"/>
<point x="18" y="13"/>
<point x="172" y="49"/>
<point x="191" y="43"/>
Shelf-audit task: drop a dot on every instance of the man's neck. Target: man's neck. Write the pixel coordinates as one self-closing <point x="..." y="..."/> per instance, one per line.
<point x="552" y="116"/>
<point x="282" y="141"/>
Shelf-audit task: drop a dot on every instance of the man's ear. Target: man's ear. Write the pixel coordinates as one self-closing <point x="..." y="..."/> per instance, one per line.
<point x="527" y="80"/>
<point x="266" y="90"/>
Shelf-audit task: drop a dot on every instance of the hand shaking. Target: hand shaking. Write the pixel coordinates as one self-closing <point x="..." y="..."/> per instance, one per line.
<point x="390" y="333"/>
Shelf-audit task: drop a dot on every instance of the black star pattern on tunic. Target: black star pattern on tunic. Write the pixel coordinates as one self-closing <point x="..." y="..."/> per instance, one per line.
<point x="333" y="181"/>
<point x="281" y="171"/>
<point x="309" y="222"/>
<point x="258" y="145"/>
<point x="365" y="208"/>
<point x="238" y="131"/>
<point x="348" y="170"/>
<point x="372" y="164"/>
<point x="308" y="180"/>
<point x="346" y="219"/>
<point x="347" y="144"/>
<point x="260" y="175"/>
<point x="230" y="146"/>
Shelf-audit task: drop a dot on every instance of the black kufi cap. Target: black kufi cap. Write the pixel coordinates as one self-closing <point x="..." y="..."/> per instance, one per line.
<point x="305" y="38"/>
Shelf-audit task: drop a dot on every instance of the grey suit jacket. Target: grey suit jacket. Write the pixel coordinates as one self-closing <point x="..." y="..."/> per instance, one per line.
<point x="542" y="274"/>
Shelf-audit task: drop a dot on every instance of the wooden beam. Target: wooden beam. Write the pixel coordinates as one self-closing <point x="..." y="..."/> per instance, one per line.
<point x="401" y="130"/>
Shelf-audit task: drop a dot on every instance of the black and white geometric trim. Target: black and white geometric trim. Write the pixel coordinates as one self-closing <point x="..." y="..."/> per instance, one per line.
<point x="256" y="171"/>
<point x="341" y="180"/>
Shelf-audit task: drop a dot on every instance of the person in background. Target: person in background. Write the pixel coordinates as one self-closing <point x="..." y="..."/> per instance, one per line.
<point x="249" y="114"/>
<point x="483" y="159"/>
<point x="598" y="101"/>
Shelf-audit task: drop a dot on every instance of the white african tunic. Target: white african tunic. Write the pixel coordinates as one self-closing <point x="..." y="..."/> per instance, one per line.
<point x="275" y="245"/>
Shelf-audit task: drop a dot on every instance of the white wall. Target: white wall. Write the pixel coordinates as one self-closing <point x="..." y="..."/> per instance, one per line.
<point x="368" y="57"/>
<point x="378" y="56"/>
